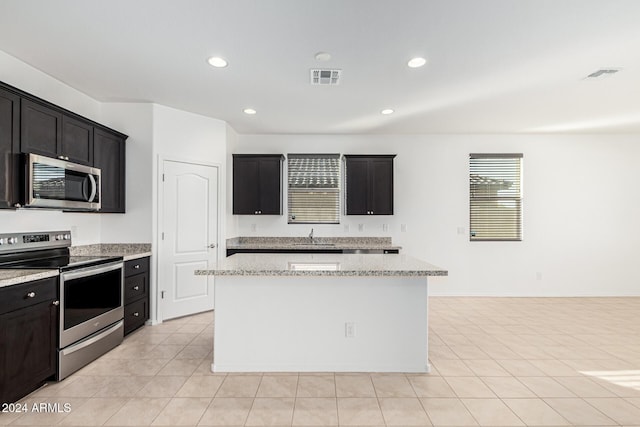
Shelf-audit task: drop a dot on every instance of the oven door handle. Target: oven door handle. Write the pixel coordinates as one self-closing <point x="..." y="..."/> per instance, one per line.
<point x="90" y="271"/>
<point x="87" y="343"/>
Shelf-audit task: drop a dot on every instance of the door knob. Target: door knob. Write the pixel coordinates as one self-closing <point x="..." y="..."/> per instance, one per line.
<point x="213" y="245"/>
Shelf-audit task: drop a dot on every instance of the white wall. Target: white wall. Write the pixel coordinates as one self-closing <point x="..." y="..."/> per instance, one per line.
<point x="231" y="220"/>
<point x="179" y="135"/>
<point x="580" y="210"/>
<point x="136" y="120"/>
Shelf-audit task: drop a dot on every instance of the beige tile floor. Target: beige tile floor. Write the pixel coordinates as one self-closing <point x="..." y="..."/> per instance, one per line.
<point x="495" y="362"/>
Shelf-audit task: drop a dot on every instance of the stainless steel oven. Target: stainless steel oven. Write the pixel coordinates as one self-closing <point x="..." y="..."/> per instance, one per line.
<point x="91" y="313"/>
<point x="90" y="289"/>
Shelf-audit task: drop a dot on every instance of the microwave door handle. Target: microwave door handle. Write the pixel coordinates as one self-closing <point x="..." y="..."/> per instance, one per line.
<point x="94" y="188"/>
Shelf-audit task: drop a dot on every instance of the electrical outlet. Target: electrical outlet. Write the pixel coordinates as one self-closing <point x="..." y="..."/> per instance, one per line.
<point x="403" y="228"/>
<point x="346" y="228"/>
<point x="538" y="275"/>
<point x="360" y="227"/>
<point x="254" y="227"/>
<point x="349" y="330"/>
<point x="385" y="227"/>
<point x="460" y="230"/>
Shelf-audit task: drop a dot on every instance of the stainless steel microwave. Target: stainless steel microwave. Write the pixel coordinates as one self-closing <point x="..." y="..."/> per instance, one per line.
<point x="59" y="184"/>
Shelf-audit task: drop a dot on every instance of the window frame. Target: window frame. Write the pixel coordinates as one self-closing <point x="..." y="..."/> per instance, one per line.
<point x="492" y="222"/>
<point x="335" y="191"/>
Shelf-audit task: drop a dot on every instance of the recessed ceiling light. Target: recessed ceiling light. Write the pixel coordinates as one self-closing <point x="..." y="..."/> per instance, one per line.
<point x="386" y="111"/>
<point x="216" y="61"/>
<point x="416" y="62"/>
<point x="323" y="56"/>
<point x="249" y="111"/>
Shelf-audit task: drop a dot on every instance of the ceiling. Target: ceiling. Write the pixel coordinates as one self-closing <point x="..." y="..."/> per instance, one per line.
<point x="494" y="66"/>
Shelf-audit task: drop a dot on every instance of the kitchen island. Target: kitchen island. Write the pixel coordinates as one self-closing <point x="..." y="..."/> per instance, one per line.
<point x="321" y="313"/>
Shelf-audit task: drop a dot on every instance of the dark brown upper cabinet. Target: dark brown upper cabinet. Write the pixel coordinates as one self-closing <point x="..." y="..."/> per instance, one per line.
<point x="41" y="129"/>
<point x="109" y="156"/>
<point x="32" y="125"/>
<point x="369" y="184"/>
<point x="9" y="148"/>
<point x="257" y="184"/>
<point x="77" y="141"/>
<point x="49" y="132"/>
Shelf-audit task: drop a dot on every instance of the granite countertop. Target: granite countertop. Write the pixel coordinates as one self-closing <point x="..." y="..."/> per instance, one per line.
<point x="322" y="265"/>
<point x="10" y="277"/>
<point x="303" y="243"/>
<point x="128" y="251"/>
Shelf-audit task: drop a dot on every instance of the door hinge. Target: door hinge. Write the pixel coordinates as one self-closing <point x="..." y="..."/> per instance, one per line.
<point x="163" y="235"/>
<point x="161" y="294"/>
<point x="162" y="177"/>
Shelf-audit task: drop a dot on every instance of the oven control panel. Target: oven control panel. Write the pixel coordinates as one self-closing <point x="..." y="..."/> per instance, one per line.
<point x="17" y="242"/>
<point x="31" y="238"/>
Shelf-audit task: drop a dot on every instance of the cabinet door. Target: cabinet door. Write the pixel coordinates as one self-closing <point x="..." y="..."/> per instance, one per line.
<point x="28" y="341"/>
<point x="381" y="186"/>
<point x="9" y="148"/>
<point x="246" y="193"/>
<point x="77" y="141"/>
<point x="41" y="129"/>
<point x="357" y="190"/>
<point x="270" y="182"/>
<point x="109" y="156"/>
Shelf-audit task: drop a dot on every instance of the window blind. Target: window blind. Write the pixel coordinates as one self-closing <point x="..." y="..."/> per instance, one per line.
<point x="314" y="188"/>
<point x="495" y="191"/>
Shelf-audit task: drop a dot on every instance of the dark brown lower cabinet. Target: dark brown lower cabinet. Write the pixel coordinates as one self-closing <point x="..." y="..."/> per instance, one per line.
<point x="28" y="337"/>
<point x="136" y="293"/>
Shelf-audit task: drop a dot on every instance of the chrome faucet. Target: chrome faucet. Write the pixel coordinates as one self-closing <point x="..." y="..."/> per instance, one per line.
<point x="311" y="235"/>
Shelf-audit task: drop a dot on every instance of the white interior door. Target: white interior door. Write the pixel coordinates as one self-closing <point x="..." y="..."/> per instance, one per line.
<point x="188" y="237"/>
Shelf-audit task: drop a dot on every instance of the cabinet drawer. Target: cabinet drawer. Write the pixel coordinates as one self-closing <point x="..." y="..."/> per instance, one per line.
<point x="135" y="314"/>
<point x="27" y="294"/>
<point x="135" y="287"/>
<point x="136" y="266"/>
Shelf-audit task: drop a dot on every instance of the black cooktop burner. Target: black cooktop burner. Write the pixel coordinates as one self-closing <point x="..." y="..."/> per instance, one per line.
<point x="52" y="258"/>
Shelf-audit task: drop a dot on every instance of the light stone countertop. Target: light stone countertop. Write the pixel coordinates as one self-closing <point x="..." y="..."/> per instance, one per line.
<point x="10" y="277"/>
<point x="305" y="243"/>
<point x="128" y="251"/>
<point x="323" y="265"/>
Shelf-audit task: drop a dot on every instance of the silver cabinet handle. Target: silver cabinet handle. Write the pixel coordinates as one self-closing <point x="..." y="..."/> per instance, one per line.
<point x="56" y="303"/>
<point x="135" y="288"/>
<point x="31" y="294"/>
<point x="17" y="205"/>
<point x="136" y="314"/>
<point x="137" y="266"/>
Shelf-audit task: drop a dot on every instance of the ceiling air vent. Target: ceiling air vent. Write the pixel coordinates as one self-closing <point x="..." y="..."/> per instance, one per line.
<point x="605" y="72"/>
<point x="325" y="77"/>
